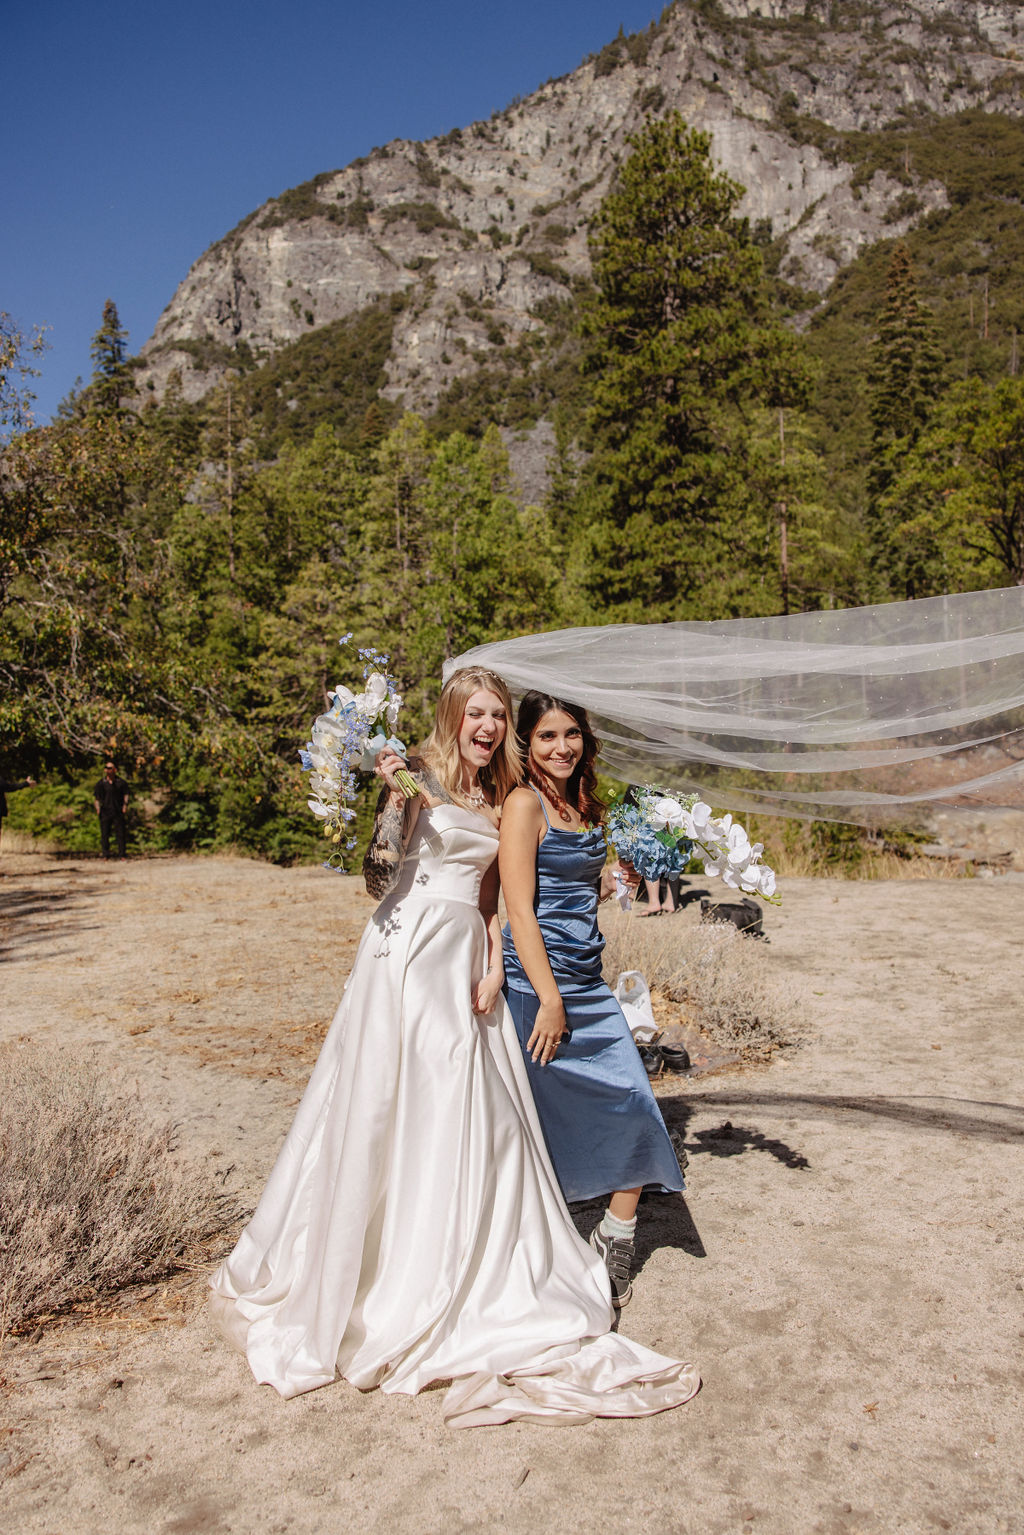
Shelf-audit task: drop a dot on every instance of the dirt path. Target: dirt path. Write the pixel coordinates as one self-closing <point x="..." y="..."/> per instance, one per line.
<point x="846" y="1268"/>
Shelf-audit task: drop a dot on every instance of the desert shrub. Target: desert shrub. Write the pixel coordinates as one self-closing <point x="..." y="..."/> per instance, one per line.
<point x="609" y="59"/>
<point x="94" y="1194"/>
<point x="723" y="978"/>
<point x="544" y="266"/>
<point x="426" y="216"/>
<point x="300" y="203"/>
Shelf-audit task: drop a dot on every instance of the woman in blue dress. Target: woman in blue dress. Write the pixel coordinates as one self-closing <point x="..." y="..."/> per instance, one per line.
<point x="604" y="1131"/>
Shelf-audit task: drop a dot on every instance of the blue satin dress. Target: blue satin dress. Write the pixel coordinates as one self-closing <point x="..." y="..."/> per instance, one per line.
<point x="603" y="1128"/>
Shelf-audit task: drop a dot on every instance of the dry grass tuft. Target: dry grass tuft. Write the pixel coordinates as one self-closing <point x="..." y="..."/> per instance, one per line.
<point x="20" y="842"/>
<point x="797" y="863"/>
<point x="94" y="1195"/>
<point x="724" y="979"/>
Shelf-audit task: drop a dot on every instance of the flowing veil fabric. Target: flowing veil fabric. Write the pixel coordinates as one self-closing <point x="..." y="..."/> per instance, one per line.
<point x="851" y="714"/>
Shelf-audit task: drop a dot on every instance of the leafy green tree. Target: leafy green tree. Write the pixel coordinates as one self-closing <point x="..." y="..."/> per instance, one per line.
<point x="487" y="571"/>
<point x="819" y="551"/>
<point x="563" y="469"/>
<point x="176" y="424"/>
<point x="679" y="347"/>
<point x="311" y="495"/>
<point x="83" y="663"/>
<point x="954" y="513"/>
<point x="111" y="379"/>
<point x="16" y="396"/>
<point x="219" y="544"/>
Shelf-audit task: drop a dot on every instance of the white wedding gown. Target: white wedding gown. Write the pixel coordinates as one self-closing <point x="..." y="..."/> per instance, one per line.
<point x="412" y="1229"/>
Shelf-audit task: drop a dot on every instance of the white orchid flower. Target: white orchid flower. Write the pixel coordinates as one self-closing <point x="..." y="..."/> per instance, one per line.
<point x="375" y="695"/>
<point x="712" y="864"/>
<point x="701" y="819"/>
<point x="738" y="845"/>
<point x="343" y="738"/>
<point x="685" y="827"/>
<point x="328" y="731"/>
<point x="666" y="812"/>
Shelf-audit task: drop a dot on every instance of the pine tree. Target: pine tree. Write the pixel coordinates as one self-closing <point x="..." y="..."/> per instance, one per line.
<point x="679" y="346"/>
<point x="111" y="379"/>
<point x="953" y="514"/>
<point x="903" y="379"/>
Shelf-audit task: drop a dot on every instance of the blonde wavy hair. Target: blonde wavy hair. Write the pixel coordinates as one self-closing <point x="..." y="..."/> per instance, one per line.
<point x="441" y="749"/>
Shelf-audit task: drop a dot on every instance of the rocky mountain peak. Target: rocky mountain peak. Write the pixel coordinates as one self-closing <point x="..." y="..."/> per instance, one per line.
<point x="475" y="230"/>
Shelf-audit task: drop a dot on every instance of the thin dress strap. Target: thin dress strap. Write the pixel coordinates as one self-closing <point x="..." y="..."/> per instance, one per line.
<point x="543" y="807"/>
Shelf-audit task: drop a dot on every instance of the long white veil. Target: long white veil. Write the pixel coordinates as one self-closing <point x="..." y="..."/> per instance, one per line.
<point x="849" y="715"/>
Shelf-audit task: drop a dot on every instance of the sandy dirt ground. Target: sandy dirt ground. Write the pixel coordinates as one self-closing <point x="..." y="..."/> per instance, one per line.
<point x="845" y="1268"/>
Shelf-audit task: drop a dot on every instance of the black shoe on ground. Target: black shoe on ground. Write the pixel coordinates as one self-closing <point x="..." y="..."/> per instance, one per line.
<point x="654" y="1061"/>
<point x="675" y="1058"/>
<point x="617" y="1253"/>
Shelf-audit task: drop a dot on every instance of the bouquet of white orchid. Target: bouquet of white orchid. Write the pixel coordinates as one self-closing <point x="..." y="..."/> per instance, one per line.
<point x="658" y="833"/>
<point x="346" y="740"/>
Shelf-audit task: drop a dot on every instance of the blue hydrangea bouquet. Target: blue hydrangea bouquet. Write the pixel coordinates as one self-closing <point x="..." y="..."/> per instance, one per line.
<point x="657" y="833"/>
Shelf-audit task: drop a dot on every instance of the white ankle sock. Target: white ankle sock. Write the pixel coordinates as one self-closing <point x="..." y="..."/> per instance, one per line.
<point x="611" y="1226"/>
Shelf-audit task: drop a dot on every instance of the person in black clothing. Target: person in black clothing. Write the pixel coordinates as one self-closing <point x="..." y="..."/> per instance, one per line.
<point x="10" y="787"/>
<point x="110" y="797"/>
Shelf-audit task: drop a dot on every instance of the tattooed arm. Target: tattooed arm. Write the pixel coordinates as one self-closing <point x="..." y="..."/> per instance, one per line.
<point x="393" y="825"/>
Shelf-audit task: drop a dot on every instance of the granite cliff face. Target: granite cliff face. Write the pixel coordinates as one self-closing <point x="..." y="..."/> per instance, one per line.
<point x="479" y="227"/>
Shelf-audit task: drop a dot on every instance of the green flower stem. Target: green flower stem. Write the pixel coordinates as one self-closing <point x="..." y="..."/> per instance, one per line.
<point x="408" y="785"/>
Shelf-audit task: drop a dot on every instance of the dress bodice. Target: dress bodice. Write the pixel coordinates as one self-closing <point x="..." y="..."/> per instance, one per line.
<point x="449" y="853"/>
<point x="569" y="865"/>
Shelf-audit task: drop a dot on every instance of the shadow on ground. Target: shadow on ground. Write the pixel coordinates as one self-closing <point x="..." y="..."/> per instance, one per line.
<point x="1001" y="1122"/>
<point x="29" y="918"/>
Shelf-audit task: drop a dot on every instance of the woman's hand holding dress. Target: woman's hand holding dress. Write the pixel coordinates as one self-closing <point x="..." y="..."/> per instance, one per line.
<point x="487" y="991"/>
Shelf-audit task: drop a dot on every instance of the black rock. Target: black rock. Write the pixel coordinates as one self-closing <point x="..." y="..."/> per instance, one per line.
<point x="744" y="914"/>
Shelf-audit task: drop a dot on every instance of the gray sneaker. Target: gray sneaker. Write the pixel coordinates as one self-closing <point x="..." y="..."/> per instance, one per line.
<point x="617" y="1253"/>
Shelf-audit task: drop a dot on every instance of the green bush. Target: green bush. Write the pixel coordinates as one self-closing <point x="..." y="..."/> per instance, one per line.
<point x="58" y="813"/>
<point x="425" y="216"/>
<point x="300" y="203"/>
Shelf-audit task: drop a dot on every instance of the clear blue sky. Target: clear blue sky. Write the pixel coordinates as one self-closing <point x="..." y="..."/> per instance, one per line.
<point x="139" y="134"/>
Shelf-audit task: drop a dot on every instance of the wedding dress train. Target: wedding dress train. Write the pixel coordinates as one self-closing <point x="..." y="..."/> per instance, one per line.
<point x="412" y="1229"/>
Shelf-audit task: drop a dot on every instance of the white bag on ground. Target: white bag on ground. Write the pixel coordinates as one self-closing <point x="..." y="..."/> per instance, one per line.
<point x="633" y="996"/>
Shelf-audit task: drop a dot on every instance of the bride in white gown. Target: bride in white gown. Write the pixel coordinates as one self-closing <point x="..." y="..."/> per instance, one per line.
<point x="412" y="1229"/>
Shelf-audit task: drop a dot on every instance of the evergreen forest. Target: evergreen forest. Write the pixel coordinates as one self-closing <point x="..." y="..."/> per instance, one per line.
<point x="175" y="577"/>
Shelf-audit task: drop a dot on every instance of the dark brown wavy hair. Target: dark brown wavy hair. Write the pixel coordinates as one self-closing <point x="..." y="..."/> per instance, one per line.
<point x="581" y="790"/>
